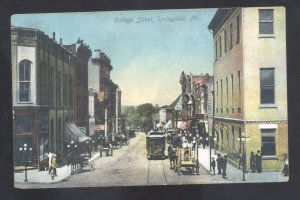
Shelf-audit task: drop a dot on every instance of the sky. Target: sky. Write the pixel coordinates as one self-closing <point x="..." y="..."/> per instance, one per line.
<point x="148" y="49"/>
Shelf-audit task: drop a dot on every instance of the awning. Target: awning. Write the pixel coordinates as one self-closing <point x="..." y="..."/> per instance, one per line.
<point x="168" y="125"/>
<point x="183" y="126"/>
<point x="74" y="133"/>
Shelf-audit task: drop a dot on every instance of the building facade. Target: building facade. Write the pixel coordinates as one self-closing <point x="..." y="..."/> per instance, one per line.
<point x="107" y="95"/>
<point x="196" y="97"/>
<point x="250" y="85"/>
<point x="83" y="54"/>
<point x="43" y="87"/>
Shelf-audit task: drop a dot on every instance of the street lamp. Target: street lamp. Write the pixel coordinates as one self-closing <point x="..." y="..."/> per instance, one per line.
<point x="25" y="150"/>
<point x="100" y="143"/>
<point x="197" y="161"/>
<point x="244" y="138"/>
<point x="72" y="148"/>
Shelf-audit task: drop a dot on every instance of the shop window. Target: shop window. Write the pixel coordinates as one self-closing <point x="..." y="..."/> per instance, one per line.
<point x="23" y="123"/>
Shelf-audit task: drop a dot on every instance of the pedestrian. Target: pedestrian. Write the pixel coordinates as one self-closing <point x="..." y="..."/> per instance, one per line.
<point x="194" y="144"/>
<point x="50" y="155"/>
<point x="258" y="162"/>
<point x="53" y="165"/>
<point x="252" y="162"/>
<point x="224" y="166"/>
<point x="213" y="165"/>
<point x="219" y="163"/>
<point x="285" y="170"/>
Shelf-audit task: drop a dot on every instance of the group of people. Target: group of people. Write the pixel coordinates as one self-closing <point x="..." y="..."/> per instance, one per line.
<point x="255" y="162"/>
<point x="221" y="163"/>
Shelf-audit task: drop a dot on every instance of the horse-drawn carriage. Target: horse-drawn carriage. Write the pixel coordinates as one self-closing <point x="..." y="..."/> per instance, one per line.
<point x="183" y="157"/>
<point x="80" y="161"/>
<point x="107" y="148"/>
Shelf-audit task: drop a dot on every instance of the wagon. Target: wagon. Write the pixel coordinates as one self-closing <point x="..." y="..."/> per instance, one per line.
<point x="186" y="158"/>
<point x="87" y="163"/>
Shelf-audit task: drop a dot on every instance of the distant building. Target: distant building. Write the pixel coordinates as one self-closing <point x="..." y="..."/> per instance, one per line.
<point x="250" y="84"/>
<point x="92" y="93"/>
<point x="195" y="97"/>
<point x="43" y="74"/>
<point x="107" y="92"/>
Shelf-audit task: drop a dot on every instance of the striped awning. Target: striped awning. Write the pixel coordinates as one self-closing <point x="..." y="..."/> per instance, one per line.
<point x="72" y="132"/>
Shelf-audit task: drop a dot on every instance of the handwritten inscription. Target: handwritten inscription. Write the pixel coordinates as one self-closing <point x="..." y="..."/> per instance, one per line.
<point x="157" y="19"/>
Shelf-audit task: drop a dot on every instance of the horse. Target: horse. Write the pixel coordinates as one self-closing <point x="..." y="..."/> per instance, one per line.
<point x="172" y="157"/>
<point x="76" y="162"/>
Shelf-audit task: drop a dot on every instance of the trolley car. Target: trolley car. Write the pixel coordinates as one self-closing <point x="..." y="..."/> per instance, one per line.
<point x="156" y="144"/>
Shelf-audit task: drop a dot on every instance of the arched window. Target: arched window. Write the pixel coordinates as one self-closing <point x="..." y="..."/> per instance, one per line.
<point x="24" y="80"/>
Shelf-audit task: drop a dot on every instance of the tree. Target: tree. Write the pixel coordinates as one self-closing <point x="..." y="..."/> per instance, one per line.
<point x="144" y="113"/>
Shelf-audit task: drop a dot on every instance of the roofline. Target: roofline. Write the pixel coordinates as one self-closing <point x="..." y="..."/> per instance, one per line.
<point x="219" y="19"/>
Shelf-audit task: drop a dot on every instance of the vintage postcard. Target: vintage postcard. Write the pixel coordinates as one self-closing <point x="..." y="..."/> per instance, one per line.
<point x="157" y="97"/>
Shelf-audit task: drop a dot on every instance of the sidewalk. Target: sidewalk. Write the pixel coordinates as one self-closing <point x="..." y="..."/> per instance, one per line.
<point x="36" y="176"/>
<point x="235" y="175"/>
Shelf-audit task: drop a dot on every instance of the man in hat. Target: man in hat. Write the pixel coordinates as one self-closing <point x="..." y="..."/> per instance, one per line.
<point x="224" y="166"/>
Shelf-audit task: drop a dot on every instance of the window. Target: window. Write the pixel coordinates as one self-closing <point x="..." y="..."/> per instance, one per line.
<point x="233" y="141"/>
<point x="238" y="29"/>
<point x="225" y="41"/>
<point x="268" y="145"/>
<point x="232" y="89"/>
<point x="226" y="91"/>
<point x="239" y="79"/>
<point x="266" y="22"/>
<point x="220" y="39"/>
<point x="24" y="80"/>
<point x="230" y="36"/>
<point x="217" y="95"/>
<point x="216" y="47"/>
<point x="240" y="136"/>
<point x="23" y="124"/>
<point x="221" y="93"/>
<point x="267" y="86"/>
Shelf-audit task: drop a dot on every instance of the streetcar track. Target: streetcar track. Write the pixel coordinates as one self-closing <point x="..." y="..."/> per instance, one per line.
<point x="163" y="171"/>
<point x="162" y="163"/>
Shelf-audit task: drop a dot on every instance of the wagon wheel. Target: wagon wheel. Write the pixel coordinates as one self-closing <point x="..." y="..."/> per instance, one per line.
<point x="178" y="169"/>
<point x="92" y="166"/>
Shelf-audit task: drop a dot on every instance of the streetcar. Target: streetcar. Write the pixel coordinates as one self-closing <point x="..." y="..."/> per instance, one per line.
<point x="156" y="144"/>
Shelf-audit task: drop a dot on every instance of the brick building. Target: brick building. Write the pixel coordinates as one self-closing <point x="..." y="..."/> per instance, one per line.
<point x="43" y="75"/>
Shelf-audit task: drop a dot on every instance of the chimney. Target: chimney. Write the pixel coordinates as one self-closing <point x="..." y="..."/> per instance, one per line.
<point x="60" y="41"/>
<point x="53" y="35"/>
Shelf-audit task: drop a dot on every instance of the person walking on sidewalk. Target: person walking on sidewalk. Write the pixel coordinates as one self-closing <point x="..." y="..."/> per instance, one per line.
<point x="252" y="162"/>
<point x="224" y="166"/>
<point x="53" y="165"/>
<point x="258" y="162"/>
<point x="285" y="170"/>
<point x="219" y="163"/>
<point x="213" y="165"/>
<point x="50" y="155"/>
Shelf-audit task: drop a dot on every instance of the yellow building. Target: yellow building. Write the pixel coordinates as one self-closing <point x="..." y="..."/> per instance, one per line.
<point x="250" y="83"/>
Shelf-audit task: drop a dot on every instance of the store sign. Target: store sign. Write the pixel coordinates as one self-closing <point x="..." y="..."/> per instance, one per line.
<point x="99" y="127"/>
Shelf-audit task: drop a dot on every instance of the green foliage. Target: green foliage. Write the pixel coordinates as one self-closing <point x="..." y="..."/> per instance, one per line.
<point x="140" y="116"/>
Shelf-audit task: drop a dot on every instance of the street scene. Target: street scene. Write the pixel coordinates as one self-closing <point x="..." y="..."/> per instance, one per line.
<point x="141" y="98"/>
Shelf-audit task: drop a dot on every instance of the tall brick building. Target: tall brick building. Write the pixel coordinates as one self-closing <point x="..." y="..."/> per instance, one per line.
<point x="43" y="86"/>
